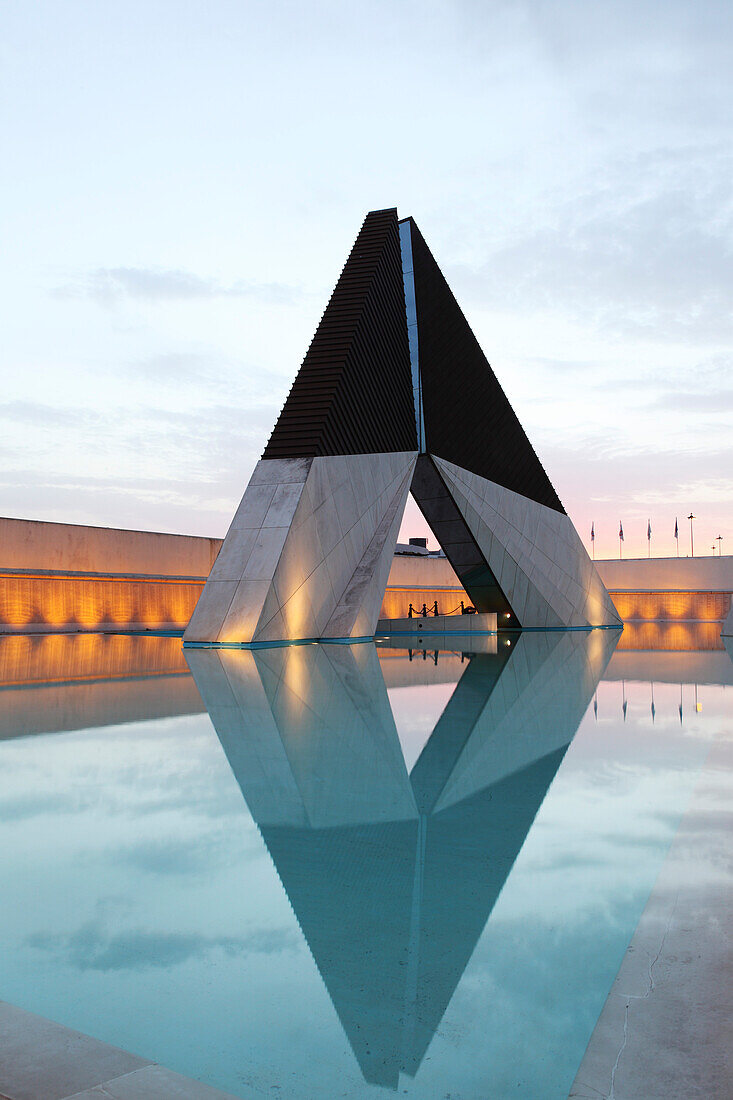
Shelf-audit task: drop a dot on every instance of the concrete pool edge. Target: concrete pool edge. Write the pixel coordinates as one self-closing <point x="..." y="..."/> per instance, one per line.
<point x="665" y="1029"/>
<point x="43" y="1060"/>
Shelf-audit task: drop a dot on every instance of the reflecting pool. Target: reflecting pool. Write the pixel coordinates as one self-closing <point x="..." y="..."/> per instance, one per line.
<point x="334" y="870"/>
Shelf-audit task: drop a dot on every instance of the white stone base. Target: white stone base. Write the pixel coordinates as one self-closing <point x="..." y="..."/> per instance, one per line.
<point x="534" y="552"/>
<point x="308" y="551"/>
<point x="440" y="624"/>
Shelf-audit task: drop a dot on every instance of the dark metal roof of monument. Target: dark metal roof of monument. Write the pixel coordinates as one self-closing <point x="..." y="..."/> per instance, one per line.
<point x="353" y="393"/>
<point x="468" y="418"/>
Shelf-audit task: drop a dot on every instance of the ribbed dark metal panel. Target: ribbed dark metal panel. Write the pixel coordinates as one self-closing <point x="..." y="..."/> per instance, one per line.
<point x="353" y="393"/>
<point x="468" y="419"/>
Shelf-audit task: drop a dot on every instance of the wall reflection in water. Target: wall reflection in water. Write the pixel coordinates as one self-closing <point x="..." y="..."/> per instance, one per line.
<point x="55" y="682"/>
<point x="392" y="875"/>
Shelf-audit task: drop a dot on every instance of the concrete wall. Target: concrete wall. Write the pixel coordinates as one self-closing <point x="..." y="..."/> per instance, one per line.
<point x="707" y="574"/>
<point x="417" y="580"/>
<point x="66" y="577"/>
<point x="429" y="572"/>
<point x="47" y="602"/>
<point x="57" y="577"/>
<point x="674" y="606"/>
<point x="31" y="544"/>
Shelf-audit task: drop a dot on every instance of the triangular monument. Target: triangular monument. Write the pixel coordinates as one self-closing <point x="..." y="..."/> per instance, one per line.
<point x="394" y="395"/>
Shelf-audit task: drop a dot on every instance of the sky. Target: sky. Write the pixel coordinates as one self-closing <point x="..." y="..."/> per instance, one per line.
<point x="182" y="182"/>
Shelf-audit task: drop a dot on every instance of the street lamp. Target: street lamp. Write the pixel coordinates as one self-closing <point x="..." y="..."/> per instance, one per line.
<point x="719" y="541"/>
<point x="692" y="541"/>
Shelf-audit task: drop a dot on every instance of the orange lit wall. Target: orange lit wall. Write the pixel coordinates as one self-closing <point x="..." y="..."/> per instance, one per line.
<point x="397" y="600"/>
<point x="666" y="606"/>
<point x="42" y="602"/>
<point x="45" y="602"/>
<point x="700" y="606"/>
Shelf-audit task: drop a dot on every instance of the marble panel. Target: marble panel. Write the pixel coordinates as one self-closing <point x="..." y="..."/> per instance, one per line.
<point x="319" y="482"/>
<point x="346" y="508"/>
<point x="298" y="623"/>
<point x="210" y="612"/>
<point x="463" y="555"/>
<point x="340" y="567"/>
<point x="253" y="506"/>
<point x="301" y="554"/>
<point x="484" y="538"/>
<point x="450" y="531"/>
<point x="441" y="509"/>
<point x="508" y="576"/>
<point x="363" y="480"/>
<point x="277" y="471"/>
<point x="233" y="556"/>
<point x="496" y="557"/>
<point x="265" y="553"/>
<point x="328" y="527"/>
<point x="519" y="594"/>
<point x="321" y="597"/>
<point x="244" y="613"/>
<point x="284" y="502"/>
<point x="270" y="608"/>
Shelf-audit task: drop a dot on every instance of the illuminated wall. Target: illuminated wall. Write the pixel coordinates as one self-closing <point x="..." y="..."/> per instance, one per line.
<point x="705" y="606"/>
<point x="397" y="601"/>
<point x="43" y="602"/>
<point x="64" y="577"/>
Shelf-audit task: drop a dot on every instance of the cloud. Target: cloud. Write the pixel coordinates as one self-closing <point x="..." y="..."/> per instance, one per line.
<point x="715" y="401"/>
<point x="185" y="856"/>
<point x="22" y="806"/>
<point x="643" y="251"/>
<point x="37" y="413"/>
<point x="632" y="480"/>
<point x="158" y="469"/>
<point x="110" y="285"/>
<point x="92" y="947"/>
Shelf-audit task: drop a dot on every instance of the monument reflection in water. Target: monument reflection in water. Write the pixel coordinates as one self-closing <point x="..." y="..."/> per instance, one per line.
<point x="393" y="875"/>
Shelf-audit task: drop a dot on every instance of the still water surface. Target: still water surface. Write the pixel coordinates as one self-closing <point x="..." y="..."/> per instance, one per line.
<point x="340" y="871"/>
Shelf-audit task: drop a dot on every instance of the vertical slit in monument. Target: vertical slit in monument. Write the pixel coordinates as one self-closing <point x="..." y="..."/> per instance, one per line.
<point x="444" y="517"/>
<point x="411" y="313"/>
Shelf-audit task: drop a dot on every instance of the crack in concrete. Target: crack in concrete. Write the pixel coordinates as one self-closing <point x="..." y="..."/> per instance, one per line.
<point x="640" y="997"/>
<point x="655" y="960"/>
<point x="612" y="1093"/>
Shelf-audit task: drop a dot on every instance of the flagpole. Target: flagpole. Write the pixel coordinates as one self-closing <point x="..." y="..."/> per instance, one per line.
<point x="692" y="541"/>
